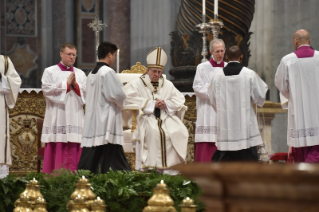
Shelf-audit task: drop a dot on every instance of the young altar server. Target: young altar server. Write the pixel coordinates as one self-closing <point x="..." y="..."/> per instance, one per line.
<point x="232" y="92"/>
<point x="63" y="87"/>
<point x="103" y="129"/>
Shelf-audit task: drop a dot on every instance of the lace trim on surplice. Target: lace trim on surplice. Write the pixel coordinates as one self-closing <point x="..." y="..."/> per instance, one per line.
<point x="62" y="129"/>
<point x="309" y="132"/>
<point x="206" y="130"/>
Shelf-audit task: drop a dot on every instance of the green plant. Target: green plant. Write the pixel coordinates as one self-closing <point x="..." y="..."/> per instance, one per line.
<point x="122" y="191"/>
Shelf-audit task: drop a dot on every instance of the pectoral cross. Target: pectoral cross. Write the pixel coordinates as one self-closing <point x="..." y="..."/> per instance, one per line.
<point x="97" y="26"/>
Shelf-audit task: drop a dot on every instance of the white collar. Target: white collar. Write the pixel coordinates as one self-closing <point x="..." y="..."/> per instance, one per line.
<point x="67" y="67"/>
<point x="233" y="62"/>
<point x="218" y="62"/>
<point x="303" y="45"/>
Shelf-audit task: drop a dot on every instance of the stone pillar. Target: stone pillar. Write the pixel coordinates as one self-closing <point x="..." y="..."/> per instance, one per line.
<point x="119" y="30"/>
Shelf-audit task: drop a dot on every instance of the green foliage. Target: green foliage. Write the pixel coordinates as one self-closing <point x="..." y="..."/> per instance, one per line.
<point x="122" y="191"/>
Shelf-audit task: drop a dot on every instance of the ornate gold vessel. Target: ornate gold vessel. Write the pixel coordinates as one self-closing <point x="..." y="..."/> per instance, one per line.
<point x="78" y="204"/>
<point x="160" y="201"/>
<point x="23" y="204"/>
<point x="40" y="205"/>
<point x="188" y="205"/>
<point x="98" y="205"/>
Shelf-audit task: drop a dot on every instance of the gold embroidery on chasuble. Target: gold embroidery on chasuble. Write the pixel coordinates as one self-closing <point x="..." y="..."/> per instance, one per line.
<point x="154" y="87"/>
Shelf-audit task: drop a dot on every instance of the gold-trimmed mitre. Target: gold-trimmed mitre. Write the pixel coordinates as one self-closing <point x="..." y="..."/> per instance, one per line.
<point x="156" y="58"/>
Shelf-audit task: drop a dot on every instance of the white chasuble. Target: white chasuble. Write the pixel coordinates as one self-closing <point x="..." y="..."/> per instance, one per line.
<point x="103" y="117"/>
<point x="233" y="98"/>
<point x="9" y="89"/>
<point x="163" y="140"/>
<point x="206" y="116"/>
<point x="64" y="115"/>
<point x="297" y="80"/>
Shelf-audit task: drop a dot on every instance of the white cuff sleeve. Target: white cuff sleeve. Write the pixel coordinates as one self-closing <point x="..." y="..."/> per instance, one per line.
<point x="169" y="109"/>
<point x="4" y="85"/>
<point x="149" y="108"/>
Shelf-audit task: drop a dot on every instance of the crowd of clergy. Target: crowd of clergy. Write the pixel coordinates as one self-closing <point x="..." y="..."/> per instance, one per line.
<point x="226" y="127"/>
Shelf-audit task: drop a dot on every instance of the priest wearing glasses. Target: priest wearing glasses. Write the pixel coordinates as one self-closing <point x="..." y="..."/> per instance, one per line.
<point x="64" y="88"/>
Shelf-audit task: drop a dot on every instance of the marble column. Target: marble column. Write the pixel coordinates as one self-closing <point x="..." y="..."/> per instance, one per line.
<point x="119" y="30"/>
<point x="47" y="34"/>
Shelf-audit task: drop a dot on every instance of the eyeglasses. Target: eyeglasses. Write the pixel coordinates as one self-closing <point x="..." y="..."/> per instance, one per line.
<point x="70" y="55"/>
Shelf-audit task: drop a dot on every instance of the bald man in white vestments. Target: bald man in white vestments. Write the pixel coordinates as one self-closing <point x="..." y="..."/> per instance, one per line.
<point x="297" y="79"/>
<point x="10" y="83"/>
<point x="161" y="134"/>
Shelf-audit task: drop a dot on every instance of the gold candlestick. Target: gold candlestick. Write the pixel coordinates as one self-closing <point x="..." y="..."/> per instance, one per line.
<point x="23" y="204"/>
<point x="40" y="205"/>
<point x="98" y="205"/>
<point x="188" y="205"/>
<point x="160" y="201"/>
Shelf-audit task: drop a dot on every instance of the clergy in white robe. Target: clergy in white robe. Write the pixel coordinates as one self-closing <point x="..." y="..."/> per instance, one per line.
<point x="232" y="92"/>
<point x="161" y="134"/>
<point x="297" y="80"/>
<point x="64" y="88"/>
<point x="205" y="131"/>
<point x="10" y="82"/>
<point x="102" y="139"/>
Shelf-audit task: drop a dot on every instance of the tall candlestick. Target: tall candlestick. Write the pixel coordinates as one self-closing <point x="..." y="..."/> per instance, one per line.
<point x="216" y="9"/>
<point x="204" y="11"/>
<point x="118" y="61"/>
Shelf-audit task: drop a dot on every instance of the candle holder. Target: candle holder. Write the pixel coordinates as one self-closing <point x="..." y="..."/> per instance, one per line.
<point x="215" y="25"/>
<point x="160" y="201"/>
<point x="188" y="205"/>
<point x="204" y="29"/>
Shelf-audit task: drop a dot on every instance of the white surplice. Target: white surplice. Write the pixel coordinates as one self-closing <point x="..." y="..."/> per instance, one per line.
<point x="297" y="80"/>
<point x="64" y="115"/>
<point x="233" y="98"/>
<point x="163" y="141"/>
<point x="206" y="116"/>
<point x="9" y="89"/>
<point x="103" y="117"/>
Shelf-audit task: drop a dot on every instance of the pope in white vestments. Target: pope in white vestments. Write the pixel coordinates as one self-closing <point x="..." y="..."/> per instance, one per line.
<point x="102" y="138"/>
<point x="232" y="92"/>
<point x="297" y="79"/>
<point x="10" y="82"/>
<point x="64" y="88"/>
<point x="161" y="133"/>
<point x="206" y="130"/>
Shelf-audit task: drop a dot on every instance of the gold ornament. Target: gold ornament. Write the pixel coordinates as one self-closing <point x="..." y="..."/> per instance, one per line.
<point x="40" y="205"/>
<point x="98" y="205"/>
<point x="188" y="205"/>
<point x="23" y="204"/>
<point x="32" y="192"/>
<point x="160" y="201"/>
<point x="78" y="204"/>
<point x="83" y="189"/>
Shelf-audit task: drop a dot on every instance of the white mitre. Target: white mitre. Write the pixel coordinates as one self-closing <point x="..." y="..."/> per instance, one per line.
<point x="156" y="58"/>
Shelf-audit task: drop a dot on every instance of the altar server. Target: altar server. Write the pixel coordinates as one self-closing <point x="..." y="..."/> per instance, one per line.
<point x="297" y="79"/>
<point x="10" y="82"/>
<point x="161" y="134"/>
<point x="64" y="88"/>
<point x="206" y="131"/>
<point x="232" y="92"/>
<point x="103" y="129"/>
